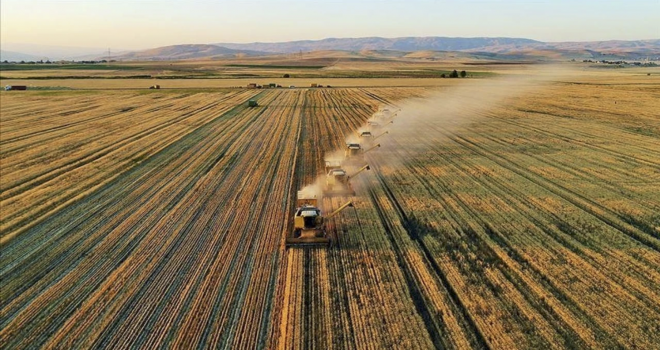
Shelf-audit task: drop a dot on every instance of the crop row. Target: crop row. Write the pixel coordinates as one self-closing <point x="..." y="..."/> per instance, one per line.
<point x="578" y="274"/>
<point x="158" y="220"/>
<point x="530" y="226"/>
<point x="50" y="161"/>
<point x="182" y="248"/>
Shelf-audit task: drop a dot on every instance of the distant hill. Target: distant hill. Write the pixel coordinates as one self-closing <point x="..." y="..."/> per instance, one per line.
<point x="184" y="52"/>
<point x="376" y="43"/>
<point x="412" y="48"/>
<point x="55" y="53"/>
<point x="13" y="56"/>
<point x="611" y="45"/>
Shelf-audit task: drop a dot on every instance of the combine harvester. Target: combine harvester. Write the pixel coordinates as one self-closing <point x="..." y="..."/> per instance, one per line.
<point x="309" y="223"/>
<point x="383" y="118"/>
<point x="369" y="137"/>
<point x="387" y="114"/>
<point x="375" y="124"/>
<point x="355" y="151"/>
<point x="337" y="181"/>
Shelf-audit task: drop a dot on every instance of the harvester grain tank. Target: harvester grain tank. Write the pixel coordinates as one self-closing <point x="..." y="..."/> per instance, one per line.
<point x="337" y="182"/>
<point x="309" y="223"/>
<point x="365" y="134"/>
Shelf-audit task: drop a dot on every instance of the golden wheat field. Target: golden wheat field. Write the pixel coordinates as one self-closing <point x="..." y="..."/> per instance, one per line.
<point x="489" y="219"/>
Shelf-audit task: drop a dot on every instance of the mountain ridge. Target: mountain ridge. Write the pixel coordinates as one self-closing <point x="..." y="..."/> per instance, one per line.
<point x="480" y="47"/>
<point x="187" y="51"/>
<point x="380" y="43"/>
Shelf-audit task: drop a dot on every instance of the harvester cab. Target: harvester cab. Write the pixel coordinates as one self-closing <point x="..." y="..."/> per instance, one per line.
<point x="365" y="134"/>
<point x="309" y="223"/>
<point x="352" y="150"/>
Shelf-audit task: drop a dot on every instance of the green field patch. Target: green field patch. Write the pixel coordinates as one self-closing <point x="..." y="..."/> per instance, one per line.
<point x="272" y="66"/>
<point x="73" y="66"/>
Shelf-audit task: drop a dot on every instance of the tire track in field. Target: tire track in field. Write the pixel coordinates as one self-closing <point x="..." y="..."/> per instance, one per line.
<point x="604" y="214"/>
<point x="448" y="158"/>
<point x="468" y="323"/>
<point x="570" y="140"/>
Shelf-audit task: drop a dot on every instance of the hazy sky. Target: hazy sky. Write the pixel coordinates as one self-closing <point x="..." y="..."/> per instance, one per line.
<point x="151" y="23"/>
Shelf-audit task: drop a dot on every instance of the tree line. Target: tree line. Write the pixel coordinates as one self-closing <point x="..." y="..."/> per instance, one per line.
<point x="454" y="74"/>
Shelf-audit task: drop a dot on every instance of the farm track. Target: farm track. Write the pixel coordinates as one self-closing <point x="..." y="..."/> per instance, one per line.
<point x="159" y="221"/>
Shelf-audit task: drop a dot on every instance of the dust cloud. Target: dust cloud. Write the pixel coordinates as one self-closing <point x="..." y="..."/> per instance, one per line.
<point x="419" y="124"/>
<point x="314" y="190"/>
<point x="413" y="126"/>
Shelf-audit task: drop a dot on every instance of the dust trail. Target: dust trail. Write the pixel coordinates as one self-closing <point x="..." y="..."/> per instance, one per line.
<point x="410" y="134"/>
<point x="314" y="190"/>
<point x="409" y="123"/>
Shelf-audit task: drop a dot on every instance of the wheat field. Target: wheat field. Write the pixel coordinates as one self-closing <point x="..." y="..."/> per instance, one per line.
<point x="144" y="219"/>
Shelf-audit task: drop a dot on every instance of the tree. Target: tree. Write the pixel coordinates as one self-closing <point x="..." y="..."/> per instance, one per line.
<point x="463" y="74"/>
<point x="287" y="75"/>
<point x="453" y="74"/>
<point x="443" y="75"/>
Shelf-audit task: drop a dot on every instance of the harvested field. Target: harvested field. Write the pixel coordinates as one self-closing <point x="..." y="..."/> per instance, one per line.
<point x="142" y="84"/>
<point x="158" y="220"/>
